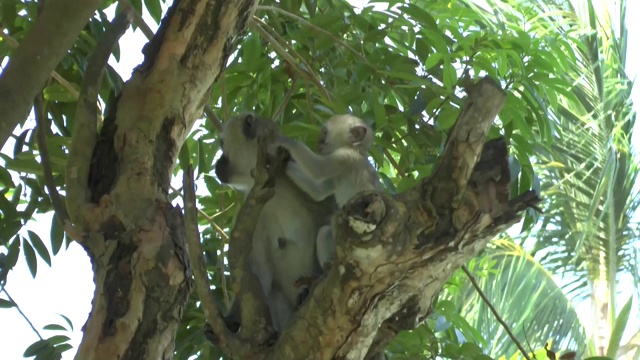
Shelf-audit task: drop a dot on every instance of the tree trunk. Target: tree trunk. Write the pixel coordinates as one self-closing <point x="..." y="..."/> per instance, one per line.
<point x="117" y="183"/>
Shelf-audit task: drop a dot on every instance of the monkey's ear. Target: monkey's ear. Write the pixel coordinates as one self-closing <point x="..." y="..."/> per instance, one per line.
<point x="357" y="133"/>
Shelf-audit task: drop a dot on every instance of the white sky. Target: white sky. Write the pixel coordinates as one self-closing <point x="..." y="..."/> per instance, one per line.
<point x="67" y="287"/>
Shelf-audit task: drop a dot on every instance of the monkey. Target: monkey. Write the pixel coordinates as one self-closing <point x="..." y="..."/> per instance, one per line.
<point x="283" y="244"/>
<point x="341" y="168"/>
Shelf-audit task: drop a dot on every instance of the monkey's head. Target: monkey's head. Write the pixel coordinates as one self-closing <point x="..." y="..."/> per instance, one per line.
<point x="239" y="142"/>
<point x="345" y="130"/>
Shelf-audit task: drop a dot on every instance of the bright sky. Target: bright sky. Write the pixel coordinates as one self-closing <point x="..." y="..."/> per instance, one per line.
<point x="67" y="287"/>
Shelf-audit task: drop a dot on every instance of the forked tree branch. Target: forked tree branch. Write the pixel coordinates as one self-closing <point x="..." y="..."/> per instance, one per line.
<point x="84" y="138"/>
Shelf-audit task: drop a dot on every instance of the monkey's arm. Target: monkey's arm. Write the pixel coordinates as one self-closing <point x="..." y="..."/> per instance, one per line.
<point x="314" y="166"/>
<point x="318" y="190"/>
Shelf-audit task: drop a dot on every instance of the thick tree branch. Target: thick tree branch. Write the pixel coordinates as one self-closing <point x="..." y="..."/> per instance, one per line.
<point x="395" y="253"/>
<point x="146" y="30"/>
<point x="84" y="139"/>
<point x="48" y="41"/>
<point x="466" y="140"/>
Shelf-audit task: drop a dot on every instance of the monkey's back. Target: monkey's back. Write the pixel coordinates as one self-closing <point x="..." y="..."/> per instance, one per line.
<point x="359" y="177"/>
<point x="291" y="220"/>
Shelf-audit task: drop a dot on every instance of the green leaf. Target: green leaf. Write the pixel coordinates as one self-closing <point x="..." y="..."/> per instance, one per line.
<point x="39" y="246"/>
<point x="449" y="76"/>
<point x="57" y="92"/>
<point x="13" y="253"/>
<point x="36" y="348"/>
<point x="5" y="178"/>
<point x="56" y="235"/>
<point x="154" y="9"/>
<point x="432" y="60"/>
<point x="30" y="257"/>
<point x="619" y="327"/>
<point x="54" y="327"/>
<point x="5" y="304"/>
<point x="68" y="321"/>
<point x="20" y="140"/>
<point x="58" y="339"/>
<point x="184" y="157"/>
<point x="311" y="6"/>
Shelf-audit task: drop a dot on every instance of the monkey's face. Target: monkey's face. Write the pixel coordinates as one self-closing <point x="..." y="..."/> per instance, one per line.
<point x="334" y="134"/>
<point x="239" y="142"/>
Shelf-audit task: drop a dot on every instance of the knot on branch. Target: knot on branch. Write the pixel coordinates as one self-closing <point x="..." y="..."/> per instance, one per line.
<point x="365" y="212"/>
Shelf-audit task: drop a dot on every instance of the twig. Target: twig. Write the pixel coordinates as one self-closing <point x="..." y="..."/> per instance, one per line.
<point x="21" y="313"/>
<point x="495" y="312"/>
<point x="393" y="162"/>
<point x="318" y="29"/>
<point x="85" y="136"/>
<point x="225" y="240"/>
<point x="287" y="97"/>
<point x="225" y="105"/>
<point x="198" y="267"/>
<point x="41" y="125"/>
<point x="263" y="29"/>
<point x="211" y="116"/>
<point x="138" y="20"/>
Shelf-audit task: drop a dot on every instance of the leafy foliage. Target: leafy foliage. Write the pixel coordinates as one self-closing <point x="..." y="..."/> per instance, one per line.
<point x="402" y="66"/>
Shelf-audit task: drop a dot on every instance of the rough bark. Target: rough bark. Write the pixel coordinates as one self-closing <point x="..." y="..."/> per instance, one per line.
<point x="118" y="182"/>
<point x="31" y="63"/>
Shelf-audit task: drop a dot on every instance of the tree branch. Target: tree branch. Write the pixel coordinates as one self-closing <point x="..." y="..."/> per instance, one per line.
<point x="256" y="320"/>
<point x="211" y="116"/>
<point x="226" y="340"/>
<point x="84" y="139"/>
<point x="59" y="207"/>
<point x="394" y="253"/>
<point x="47" y="42"/>
<point x="21" y="313"/>
<point x="495" y="312"/>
